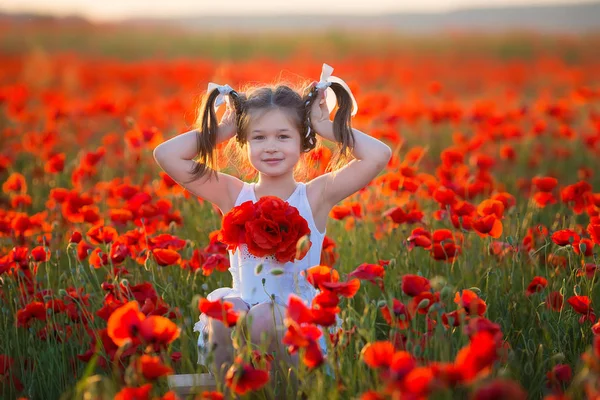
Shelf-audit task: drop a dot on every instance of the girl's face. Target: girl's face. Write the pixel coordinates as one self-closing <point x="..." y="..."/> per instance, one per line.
<point x="273" y="143"/>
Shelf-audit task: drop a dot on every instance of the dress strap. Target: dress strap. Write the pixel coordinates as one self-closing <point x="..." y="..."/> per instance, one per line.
<point x="245" y="194"/>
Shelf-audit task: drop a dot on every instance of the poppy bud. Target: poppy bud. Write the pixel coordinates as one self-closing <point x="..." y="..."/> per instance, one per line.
<point x="303" y="246"/>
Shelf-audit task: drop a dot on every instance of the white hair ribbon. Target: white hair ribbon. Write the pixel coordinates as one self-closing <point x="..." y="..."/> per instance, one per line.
<point x="223" y="91"/>
<point x="326" y="80"/>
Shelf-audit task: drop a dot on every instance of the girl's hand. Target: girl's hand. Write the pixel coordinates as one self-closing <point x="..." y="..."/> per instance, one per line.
<point x="319" y="115"/>
<point x="319" y="112"/>
<point x="227" y="128"/>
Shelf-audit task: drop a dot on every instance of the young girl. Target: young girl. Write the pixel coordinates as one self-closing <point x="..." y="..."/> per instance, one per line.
<point x="277" y="125"/>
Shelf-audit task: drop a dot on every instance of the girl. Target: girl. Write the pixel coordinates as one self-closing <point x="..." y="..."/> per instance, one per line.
<point x="277" y="125"/>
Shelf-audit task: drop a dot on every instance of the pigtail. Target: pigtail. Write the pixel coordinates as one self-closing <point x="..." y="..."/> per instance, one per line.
<point x="238" y="102"/>
<point x="342" y="121"/>
<point x="342" y="125"/>
<point x="207" y="126"/>
<point x="309" y="135"/>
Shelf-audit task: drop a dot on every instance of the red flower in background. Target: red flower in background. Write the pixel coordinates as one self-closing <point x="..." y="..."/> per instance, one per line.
<point x="373" y="273"/>
<point x="242" y="378"/>
<point x="220" y="310"/>
<point x="470" y="302"/>
<point x="565" y="237"/>
<point x="152" y="367"/>
<point x="545" y="183"/>
<point x="500" y="389"/>
<point x="127" y="324"/>
<point x="582" y="305"/>
<point x="413" y="285"/>
<point x="398" y="315"/>
<point x="555" y="301"/>
<point x="133" y="393"/>
<point x="594" y="231"/>
<point x="537" y="284"/>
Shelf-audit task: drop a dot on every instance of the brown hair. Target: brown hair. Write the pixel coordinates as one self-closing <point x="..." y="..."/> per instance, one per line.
<point x="256" y="101"/>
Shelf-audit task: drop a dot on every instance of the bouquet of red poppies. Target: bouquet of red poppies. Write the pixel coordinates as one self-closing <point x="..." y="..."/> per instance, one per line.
<point x="269" y="227"/>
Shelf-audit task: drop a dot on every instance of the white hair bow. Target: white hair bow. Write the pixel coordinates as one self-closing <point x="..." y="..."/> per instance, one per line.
<point x="326" y="80"/>
<point x="223" y="91"/>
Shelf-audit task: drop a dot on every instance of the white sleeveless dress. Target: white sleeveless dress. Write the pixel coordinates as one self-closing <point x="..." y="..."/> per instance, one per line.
<point x="248" y="286"/>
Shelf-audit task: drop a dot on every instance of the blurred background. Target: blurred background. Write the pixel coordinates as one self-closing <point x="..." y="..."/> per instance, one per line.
<point x="238" y="29"/>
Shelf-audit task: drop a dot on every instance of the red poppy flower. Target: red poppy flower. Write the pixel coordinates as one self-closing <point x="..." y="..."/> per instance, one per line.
<point x="488" y="225"/>
<point x="446" y="252"/>
<point x="298" y="336"/>
<point x="325" y="299"/>
<point x="206" y="395"/>
<point x="500" y="389"/>
<point x="158" y="330"/>
<point x="341" y="212"/>
<point x="165" y="257"/>
<point x="313" y="357"/>
<point x="506" y="198"/>
<point x="346" y="289"/>
<point x="419" y="382"/>
<point x="124" y="323"/>
<point x="131" y="393"/>
<point x="470" y="302"/>
<point x="373" y="273"/>
<point x="454" y="318"/>
<point x="419" y="241"/>
<point x="594" y="231"/>
<point x="220" y="310"/>
<point x="127" y="323"/>
<point x="554" y="301"/>
<point x="560" y="375"/>
<point x="102" y="234"/>
<point x="442" y="234"/>
<point x="478" y="356"/>
<point x="33" y="310"/>
<point x="321" y="273"/>
<point x="537" y="284"/>
<point x="298" y="311"/>
<point x="418" y="305"/>
<point x="378" y="354"/>
<point x="243" y="378"/>
<point x="545" y="183"/>
<point x="588" y="270"/>
<point x="542" y="199"/>
<point x="582" y="305"/>
<point x="401" y="318"/>
<point x="152" y="367"/>
<point x="413" y="285"/>
<point x="584" y="247"/>
<point x="489" y="207"/>
<point x="444" y="196"/>
<point x="565" y="237"/>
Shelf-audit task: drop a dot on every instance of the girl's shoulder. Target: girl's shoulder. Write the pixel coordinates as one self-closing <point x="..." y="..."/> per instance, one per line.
<point x="234" y="188"/>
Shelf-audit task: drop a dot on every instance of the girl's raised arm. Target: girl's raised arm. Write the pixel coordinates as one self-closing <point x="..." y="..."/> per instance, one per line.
<point x="175" y="157"/>
<point x="371" y="155"/>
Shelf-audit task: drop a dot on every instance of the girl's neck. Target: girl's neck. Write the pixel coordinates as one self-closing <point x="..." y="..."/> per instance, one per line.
<point x="280" y="186"/>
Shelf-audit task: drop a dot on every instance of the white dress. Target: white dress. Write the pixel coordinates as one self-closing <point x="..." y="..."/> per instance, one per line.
<point x="248" y="286"/>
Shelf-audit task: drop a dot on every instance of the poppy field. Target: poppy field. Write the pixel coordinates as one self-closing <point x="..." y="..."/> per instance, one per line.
<point x="468" y="268"/>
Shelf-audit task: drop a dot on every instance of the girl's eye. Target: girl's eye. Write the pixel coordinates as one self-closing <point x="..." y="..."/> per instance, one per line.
<point x="284" y="136"/>
<point x="258" y="137"/>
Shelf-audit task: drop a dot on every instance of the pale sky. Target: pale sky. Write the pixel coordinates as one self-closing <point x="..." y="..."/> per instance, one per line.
<point x="103" y="10"/>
